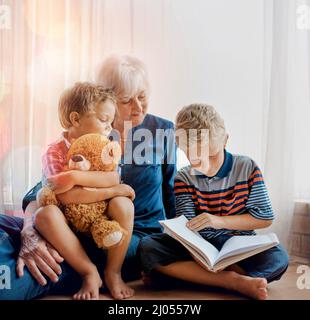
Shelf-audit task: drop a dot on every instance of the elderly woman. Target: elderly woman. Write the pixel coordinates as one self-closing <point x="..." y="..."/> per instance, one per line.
<point x="147" y="165"/>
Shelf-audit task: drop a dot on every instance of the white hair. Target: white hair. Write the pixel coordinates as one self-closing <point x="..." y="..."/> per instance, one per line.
<point x="126" y="75"/>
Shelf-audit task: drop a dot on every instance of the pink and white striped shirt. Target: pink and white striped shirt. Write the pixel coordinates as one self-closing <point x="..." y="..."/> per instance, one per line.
<point x="54" y="159"/>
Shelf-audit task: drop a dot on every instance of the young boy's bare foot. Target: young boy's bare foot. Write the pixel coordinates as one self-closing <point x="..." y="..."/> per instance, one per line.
<point x="252" y="287"/>
<point x="118" y="288"/>
<point x="90" y="287"/>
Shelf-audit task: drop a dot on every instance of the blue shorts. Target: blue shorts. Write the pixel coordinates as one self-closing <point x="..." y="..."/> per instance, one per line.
<point x="160" y="249"/>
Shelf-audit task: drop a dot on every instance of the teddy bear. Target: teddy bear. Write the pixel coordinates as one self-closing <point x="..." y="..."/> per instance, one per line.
<point x="92" y="152"/>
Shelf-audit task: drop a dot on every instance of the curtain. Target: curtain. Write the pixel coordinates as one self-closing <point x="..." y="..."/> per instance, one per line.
<point x="287" y="109"/>
<point x="49" y="45"/>
<point x="250" y="59"/>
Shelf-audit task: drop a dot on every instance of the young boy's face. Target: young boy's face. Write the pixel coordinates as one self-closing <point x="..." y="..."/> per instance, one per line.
<point x="199" y="153"/>
<point x="98" y="120"/>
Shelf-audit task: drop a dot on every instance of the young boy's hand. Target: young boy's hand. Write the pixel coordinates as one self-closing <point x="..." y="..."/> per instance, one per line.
<point x="125" y="190"/>
<point x="205" y="220"/>
<point x="61" y="183"/>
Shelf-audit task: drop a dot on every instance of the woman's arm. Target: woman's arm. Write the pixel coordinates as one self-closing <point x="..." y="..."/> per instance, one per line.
<point x="169" y="171"/>
<point x="29" y="212"/>
<point x="82" y="195"/>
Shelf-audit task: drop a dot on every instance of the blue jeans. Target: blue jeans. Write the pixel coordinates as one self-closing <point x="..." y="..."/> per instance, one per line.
<point x="69" y="282"/>
<point x="161" y="249"/>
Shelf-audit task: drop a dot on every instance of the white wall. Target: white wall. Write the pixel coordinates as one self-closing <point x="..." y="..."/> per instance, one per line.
<point x="198" y="51"/>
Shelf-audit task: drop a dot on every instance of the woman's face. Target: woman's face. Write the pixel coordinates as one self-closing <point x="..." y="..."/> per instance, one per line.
<point x="133" y="108"/>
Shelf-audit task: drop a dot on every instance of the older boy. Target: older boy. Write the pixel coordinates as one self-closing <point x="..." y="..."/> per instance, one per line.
<point x="222" y="195"/>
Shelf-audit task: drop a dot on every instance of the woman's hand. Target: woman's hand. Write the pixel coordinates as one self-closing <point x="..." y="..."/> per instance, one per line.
<point x="39" y="257"/>
<point x="62" y="182"/>
<point x="206" y="220"/>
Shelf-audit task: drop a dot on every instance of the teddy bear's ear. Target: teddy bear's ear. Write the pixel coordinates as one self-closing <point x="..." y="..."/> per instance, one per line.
<point x="111" y="153"/>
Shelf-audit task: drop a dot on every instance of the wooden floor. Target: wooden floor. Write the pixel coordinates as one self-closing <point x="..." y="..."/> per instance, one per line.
<point x="285" y="288"/>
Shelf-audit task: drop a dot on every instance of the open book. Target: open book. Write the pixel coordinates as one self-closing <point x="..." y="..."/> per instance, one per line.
<point x="235" y="249"/>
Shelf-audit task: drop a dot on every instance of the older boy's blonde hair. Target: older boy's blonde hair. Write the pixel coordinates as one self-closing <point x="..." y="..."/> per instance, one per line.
<point x="81" y="98"/>
<point x="200" y="117"/>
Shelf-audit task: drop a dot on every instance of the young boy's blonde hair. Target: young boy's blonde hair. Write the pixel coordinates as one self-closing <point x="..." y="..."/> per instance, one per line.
<point x="81" y="98"/>
<point x="200" y="117"/>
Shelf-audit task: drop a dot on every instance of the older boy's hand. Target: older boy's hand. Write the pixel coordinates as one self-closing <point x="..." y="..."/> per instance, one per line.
<point x="206" y="220"/>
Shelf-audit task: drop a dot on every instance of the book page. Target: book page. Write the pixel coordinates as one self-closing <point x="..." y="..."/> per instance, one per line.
<point x="239" y="244"/>
<point x="197" y="253"/>
<point x="193" y="239"/>
<point x="225" y="262"/>
<point x="199" y="257"/>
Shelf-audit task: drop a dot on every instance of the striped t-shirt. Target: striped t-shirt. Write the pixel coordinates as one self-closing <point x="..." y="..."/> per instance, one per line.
<point x="237" y="188"/>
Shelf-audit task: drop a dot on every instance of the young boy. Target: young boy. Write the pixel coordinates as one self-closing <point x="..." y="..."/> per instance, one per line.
<point x="222" y="195"/>
<point x="86" y="108"/>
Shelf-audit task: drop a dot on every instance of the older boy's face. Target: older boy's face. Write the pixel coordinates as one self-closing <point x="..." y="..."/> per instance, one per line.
<point x="196" y="151"/>
<point x="200" y="153"/>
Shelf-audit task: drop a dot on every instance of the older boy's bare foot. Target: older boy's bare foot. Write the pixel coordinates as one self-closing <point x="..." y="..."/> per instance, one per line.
<point x="255" y="288"/>
<point x="90" y="287"/>
<point x="118" y="288"/>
